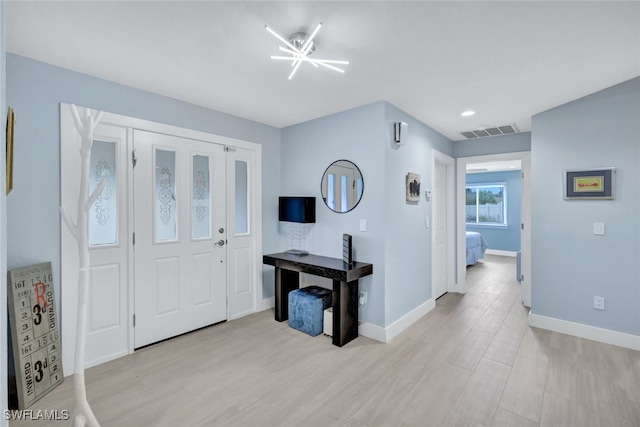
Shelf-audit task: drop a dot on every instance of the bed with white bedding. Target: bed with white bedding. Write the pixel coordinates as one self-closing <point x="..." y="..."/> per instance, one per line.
<point x="476" y="245"/>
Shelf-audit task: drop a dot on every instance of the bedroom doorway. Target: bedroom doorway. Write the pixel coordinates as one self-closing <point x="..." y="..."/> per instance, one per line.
<point x="524" y="226"/>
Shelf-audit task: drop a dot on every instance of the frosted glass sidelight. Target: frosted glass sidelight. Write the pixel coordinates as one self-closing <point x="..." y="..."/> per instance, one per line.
<point x="242" y="198"/>
<point x="103" y="216"/>
<point x="201" y="200"/>
<point x="165" y="196"/>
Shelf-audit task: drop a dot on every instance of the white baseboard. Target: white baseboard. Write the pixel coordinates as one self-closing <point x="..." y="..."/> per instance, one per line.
<point x="372" y="331"/>
<point x="580" y="330"/>
<point x="501" y="253"/>
<point x="267" y="303"/>
<point x="387" y="334"/>
<point x="460" y="288"/>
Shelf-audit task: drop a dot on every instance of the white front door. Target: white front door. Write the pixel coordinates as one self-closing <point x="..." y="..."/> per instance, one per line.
<point x="180" y="236"/>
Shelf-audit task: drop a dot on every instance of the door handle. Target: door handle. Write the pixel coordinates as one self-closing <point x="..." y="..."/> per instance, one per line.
<point x="220" y="242"/>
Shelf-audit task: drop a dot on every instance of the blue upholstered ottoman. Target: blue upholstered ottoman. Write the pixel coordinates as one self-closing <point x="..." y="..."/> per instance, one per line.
<point x="306" y="308"/>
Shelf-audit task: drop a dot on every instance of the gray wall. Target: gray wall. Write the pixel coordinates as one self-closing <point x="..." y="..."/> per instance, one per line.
<point x="407" y="240"/>
<point x="307" y="150"/>
<point x="396" y="240"/>
<point x="35" y="90"/>
<point x="570" y="265"/>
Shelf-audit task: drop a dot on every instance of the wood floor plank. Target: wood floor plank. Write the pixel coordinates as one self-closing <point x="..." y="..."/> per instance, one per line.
<point x="504" y="418"/>
<point x="491" y="319"/>
<point x="505" y="344"/>
<point x="471" y="349"/>
<point x="518" y="316"/>
<point x="435" y="397"/>
<point x="561" y="412"/>
<point x="457" y="420"/>
<point x="481" y="396"/>
<point x="524" y="391"/>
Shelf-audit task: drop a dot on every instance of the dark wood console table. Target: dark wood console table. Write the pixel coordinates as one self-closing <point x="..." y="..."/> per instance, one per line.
<point x="345" y="288"/>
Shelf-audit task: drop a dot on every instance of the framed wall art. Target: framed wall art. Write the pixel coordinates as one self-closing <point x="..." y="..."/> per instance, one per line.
<point x="589" y="184"/>
<point x="413" y="187"/>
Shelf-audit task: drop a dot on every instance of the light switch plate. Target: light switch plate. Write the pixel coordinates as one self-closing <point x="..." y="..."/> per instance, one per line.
<point x="598" y="228"/>
<point x="363" y="225"/>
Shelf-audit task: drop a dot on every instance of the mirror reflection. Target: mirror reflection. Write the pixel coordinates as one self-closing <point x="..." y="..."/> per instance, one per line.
<point x="342" y="186"/>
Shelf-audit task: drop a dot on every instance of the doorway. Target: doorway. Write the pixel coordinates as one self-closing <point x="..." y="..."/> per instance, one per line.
<point x="525" y="227"/>
<point x="175" y="237"/>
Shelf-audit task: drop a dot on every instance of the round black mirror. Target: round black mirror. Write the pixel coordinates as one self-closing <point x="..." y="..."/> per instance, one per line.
<point x="342" y="186"/>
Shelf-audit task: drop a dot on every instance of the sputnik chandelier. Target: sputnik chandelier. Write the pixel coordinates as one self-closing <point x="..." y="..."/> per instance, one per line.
<point x="300" y="47"/>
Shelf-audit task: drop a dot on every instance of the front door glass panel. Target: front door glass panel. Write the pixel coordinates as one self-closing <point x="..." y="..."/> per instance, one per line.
<point x="165" y="215"/>
<point x="103" y="215"/>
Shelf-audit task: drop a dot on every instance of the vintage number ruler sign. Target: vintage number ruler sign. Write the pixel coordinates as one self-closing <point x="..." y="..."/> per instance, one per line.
<point x="35" y="336"/>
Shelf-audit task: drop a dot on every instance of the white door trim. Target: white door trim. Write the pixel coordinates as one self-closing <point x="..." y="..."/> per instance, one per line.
<point x="449" y="163"/>
<point x="462" y="162"/>
<point x="525" y="233"/>
<point x="68" y="288"/>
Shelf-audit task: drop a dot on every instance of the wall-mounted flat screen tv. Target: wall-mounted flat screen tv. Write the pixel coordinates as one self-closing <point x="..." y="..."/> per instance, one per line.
<point x="297" y="209"/>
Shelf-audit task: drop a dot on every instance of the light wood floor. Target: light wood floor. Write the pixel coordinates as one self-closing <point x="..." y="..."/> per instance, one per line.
<point x="472" y="361"/>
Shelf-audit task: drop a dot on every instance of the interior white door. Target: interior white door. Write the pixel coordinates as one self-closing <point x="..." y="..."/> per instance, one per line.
<point x="525" y="232"/>
<point x="439" y="234"/>
<point x="180" y="236"/>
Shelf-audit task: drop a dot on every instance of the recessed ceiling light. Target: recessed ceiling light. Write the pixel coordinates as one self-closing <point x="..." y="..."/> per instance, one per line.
<point x="468" y="113"/>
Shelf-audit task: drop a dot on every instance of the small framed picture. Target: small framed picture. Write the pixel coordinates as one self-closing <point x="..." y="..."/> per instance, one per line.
<point x="413" y="187"/>
<point x="590" y="184"/>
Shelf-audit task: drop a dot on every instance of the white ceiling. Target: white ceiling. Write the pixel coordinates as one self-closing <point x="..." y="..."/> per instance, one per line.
<point x="434" y="60"/>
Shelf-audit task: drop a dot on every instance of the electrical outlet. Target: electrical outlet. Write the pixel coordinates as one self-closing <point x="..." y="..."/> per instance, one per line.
<point x="598" y="303"/>
<point x="363" y="298"/>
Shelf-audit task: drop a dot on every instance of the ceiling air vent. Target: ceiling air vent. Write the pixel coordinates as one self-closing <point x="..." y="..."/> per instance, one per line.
<point x="493" y="131"/>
